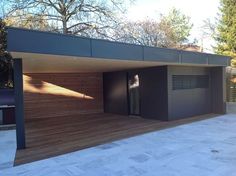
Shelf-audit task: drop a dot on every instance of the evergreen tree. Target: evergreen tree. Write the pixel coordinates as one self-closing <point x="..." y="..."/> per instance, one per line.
<point x="6" y="61"/>
<point x="3" y="38"/>
<point x="226" y="30"/>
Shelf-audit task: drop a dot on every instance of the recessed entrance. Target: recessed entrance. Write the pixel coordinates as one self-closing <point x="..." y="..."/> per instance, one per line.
<point x="134" y="94"/>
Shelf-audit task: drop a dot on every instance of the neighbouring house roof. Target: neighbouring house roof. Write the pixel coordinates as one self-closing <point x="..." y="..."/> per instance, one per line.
<point x="40" y="49"/>
<point x="191" y="47"/>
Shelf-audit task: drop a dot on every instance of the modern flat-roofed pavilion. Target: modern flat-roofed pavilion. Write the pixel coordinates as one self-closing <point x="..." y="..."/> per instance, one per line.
<point x="60" y="76"/>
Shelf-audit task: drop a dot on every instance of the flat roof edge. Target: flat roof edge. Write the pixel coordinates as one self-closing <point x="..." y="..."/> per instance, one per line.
<point x="34" y="41"/>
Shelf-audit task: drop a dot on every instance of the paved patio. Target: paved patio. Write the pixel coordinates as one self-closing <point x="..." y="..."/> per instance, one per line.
<point x="231" y="107"/>
<point x="7" y="148"/>
<point x="200" y="148"/>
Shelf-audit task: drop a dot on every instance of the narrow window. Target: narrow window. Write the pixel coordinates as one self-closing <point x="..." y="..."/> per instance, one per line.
<point x="189" y="81"/>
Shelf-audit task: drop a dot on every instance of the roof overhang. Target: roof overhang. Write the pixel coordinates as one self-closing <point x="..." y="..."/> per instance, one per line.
<point x="47" y="63"/>
<point x="51" y="52"/>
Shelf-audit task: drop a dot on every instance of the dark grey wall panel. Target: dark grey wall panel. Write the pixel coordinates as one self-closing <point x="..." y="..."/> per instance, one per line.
<point x="161" y="54"/>
<point x="153" y="91"/>
<point x="7" y="97"/>
<point x="115" y="50"/>
<point x="47" y="43"/>
<point x="188" y="102"/>
<point x="159" y="101"/>
<point x="218" y="84"/>
<point x="218" y="60"/>
<point x="115" y="92"/>
<point x="193" y="57"/>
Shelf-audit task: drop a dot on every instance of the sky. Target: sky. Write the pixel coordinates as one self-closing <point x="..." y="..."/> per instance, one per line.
<point x="198" y="10"/>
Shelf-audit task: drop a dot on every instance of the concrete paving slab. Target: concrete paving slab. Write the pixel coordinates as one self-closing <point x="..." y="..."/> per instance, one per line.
<point x="7" y="148"/>
<point x="231" y="107"/>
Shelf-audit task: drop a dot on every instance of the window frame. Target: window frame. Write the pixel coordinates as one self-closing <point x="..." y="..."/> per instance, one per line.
<point x="182" y="82"/>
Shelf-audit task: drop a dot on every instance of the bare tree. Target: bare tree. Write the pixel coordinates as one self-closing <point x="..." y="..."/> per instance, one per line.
<point x="207" y="33"/>
<point x="3" y="8"/>
<point x="83" y="17"/>
<point x="209" y="27"/>
<point x="29" y="22"/>
<point x="170" y="30"/>
<point x="145" y="32"/>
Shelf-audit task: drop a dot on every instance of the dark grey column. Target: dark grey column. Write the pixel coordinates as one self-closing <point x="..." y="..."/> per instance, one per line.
<point x="19" y="103"/>
<point x="218" y="89"/>
<point x="154" y="93"/>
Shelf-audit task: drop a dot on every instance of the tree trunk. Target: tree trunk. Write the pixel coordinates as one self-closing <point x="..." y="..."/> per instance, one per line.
<point x="64" y="24"/>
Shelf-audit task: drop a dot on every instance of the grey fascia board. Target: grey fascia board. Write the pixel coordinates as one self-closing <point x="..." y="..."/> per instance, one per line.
<point x="32" y="41"/>
<point x="47" y="43"/>
<point x="193" y="57"/>
<point x="116" y="50"/>
<point x="219" y="60"/>
<point x="161" y="54"/>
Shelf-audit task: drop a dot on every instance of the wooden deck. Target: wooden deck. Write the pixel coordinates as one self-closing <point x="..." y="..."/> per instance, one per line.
<point x="54" y="136"/>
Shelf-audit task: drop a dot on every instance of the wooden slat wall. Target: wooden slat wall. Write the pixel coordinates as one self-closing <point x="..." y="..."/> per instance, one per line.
<point x="232" y="90"/>
<point x="50" y="95"/>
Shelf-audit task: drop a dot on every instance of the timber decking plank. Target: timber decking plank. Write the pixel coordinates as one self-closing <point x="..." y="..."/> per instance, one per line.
<point x="54" y="136"/>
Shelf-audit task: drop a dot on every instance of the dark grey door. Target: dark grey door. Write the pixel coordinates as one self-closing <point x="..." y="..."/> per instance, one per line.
<point x="134" y="94"/>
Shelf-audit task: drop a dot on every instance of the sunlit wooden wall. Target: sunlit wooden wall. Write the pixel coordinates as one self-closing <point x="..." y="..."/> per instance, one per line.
<point x="51" y="95"/>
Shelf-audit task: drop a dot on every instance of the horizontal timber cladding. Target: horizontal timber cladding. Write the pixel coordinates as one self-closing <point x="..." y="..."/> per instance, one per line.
<point x="58" y="94"/>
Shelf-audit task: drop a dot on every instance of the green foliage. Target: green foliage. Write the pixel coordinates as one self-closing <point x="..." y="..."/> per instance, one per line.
<point x="178" y="25"/>
<point x="3" y="38"/>
<point x="226" y="30"/>
<point x="6" y="60"/>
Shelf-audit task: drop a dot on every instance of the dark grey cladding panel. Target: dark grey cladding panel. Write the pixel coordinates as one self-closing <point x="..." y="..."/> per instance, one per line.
<point x="116" y="50"/>
<point x="219" y="60"/>
<point x="161" y="54"/>
<point x="193" y="57"/>
<point x="31" y="41"/>
<point x="21" y="40"/>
